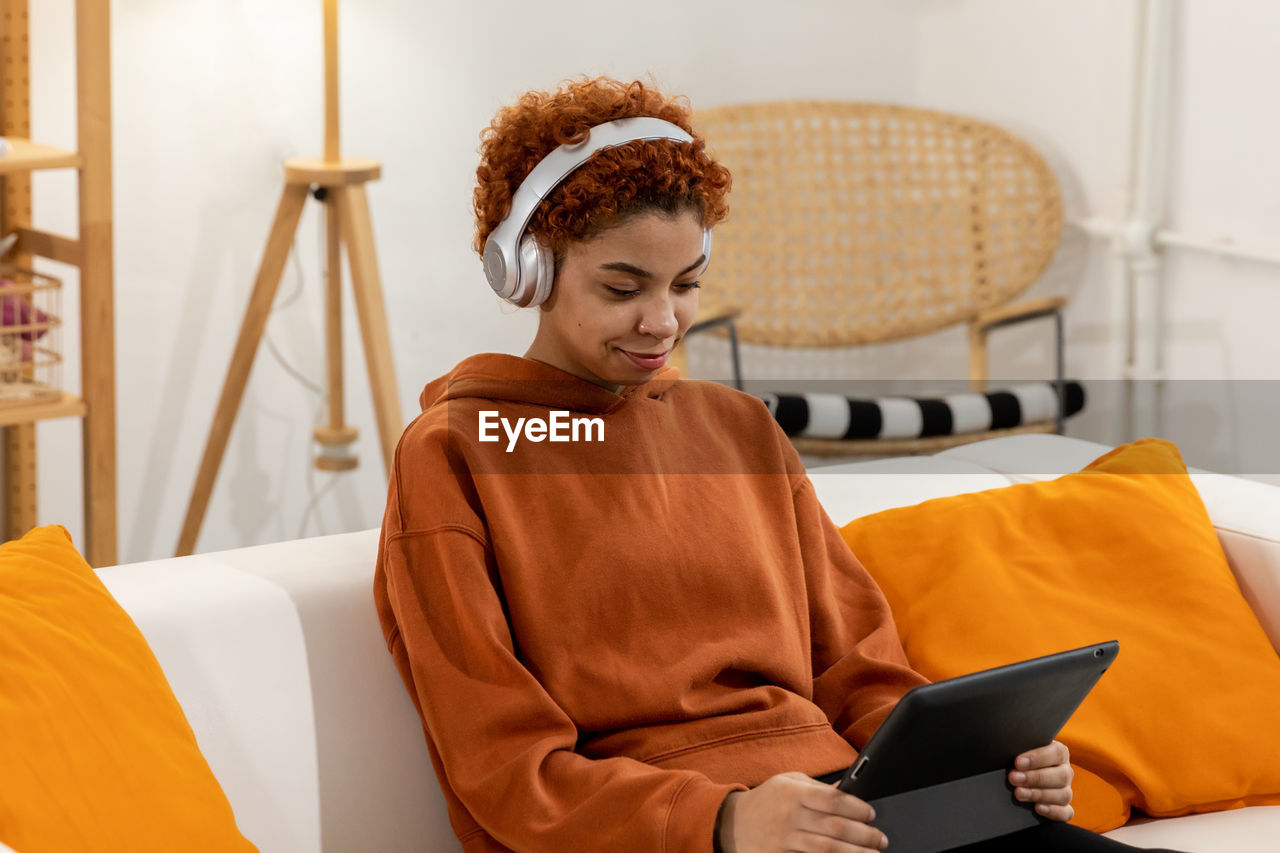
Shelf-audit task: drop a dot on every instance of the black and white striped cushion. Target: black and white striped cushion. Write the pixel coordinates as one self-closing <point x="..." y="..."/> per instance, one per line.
<point x="839" y="417"/>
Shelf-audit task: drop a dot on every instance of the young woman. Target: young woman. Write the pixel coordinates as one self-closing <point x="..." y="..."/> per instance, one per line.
<point x="623" y="616"/>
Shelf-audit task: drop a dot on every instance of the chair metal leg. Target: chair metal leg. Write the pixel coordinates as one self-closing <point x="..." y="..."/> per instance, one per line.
<point x="1059" y="381"/>
<point x="733" y="354"/>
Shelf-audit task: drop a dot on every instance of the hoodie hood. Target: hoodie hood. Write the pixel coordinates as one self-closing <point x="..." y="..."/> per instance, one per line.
<point x="496" y="376"/>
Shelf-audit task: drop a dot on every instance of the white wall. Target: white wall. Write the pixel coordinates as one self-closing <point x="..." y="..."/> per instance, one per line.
<point x="1059" y="71"/>
<point x="210" y="98"/>
<point x="1055" y="72"/>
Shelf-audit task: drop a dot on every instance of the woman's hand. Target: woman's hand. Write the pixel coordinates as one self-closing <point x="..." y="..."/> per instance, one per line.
<point x="793" y="812"/>
<point x="1043" y="776"/>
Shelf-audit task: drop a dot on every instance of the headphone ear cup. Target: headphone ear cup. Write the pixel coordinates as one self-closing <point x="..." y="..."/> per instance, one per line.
<point x="532" y="265"/>
<point x="546" y="273"/>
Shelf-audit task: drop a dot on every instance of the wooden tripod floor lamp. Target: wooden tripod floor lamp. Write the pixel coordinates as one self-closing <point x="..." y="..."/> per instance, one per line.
<point x="338" y="182"/>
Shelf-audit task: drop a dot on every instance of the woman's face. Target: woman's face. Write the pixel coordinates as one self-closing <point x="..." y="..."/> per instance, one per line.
<point x="622" y="300"/>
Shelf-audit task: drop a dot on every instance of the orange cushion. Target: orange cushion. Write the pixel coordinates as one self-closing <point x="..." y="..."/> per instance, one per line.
<point x="97" y="754"/>
<point x="1188" y="717"/>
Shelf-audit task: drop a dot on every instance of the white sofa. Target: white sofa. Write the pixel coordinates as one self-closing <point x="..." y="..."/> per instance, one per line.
<point x="277" y="658"/>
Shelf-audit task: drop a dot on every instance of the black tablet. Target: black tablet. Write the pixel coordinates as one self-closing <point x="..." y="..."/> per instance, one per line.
<point x="975" y="724"/>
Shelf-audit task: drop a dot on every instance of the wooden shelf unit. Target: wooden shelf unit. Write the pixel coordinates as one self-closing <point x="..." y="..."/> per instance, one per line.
<point x="70" y="406"/>
<point x="26" y="156"/>
<point x="90" y="251"/>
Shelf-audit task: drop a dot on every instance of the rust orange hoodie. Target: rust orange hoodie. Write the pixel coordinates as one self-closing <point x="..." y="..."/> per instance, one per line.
<point x="605" y="637"/>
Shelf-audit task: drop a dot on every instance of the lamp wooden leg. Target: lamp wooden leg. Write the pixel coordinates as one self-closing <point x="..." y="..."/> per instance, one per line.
<point x="357" y="233"/>
<point x="333" y="315"/>
<point x="336" y="434"/>
<point x="255" y="322"/>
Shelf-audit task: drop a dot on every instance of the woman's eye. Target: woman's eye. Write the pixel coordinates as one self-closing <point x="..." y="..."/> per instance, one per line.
<point x="620" y="292"/>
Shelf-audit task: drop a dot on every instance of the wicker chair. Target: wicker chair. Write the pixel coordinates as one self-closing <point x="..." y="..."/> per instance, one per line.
<point x="858" y="223"/>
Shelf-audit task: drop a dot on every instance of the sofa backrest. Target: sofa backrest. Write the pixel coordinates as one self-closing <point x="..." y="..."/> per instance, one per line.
<point x="277" y="657"/>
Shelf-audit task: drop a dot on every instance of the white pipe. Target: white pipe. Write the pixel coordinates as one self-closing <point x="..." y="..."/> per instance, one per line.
<point x="1135" y="266"/>
<point x="1149" y="175"/>
<point x="1100" y="226"/>
<point x="1148" y="204"/>
<point x="1225" y="247"/>
<point x="1222" y="247"/>
<point x="1119" y="298"/>
<point x="1135" y="235"/>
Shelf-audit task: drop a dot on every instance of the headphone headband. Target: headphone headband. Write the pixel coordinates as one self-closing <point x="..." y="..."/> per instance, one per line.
<point x="502" y="248"/>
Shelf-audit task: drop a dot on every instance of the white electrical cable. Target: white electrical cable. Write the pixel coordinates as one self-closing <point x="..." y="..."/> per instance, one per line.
<point x="311" y="386"/>
<point x="314" y="503"/>
<point x="314" y="496"/>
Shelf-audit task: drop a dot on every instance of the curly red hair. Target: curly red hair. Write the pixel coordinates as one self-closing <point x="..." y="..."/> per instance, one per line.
<point x="654" y="174"/>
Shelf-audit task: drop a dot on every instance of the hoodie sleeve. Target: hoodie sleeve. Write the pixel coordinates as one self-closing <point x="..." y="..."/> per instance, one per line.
<point x="860" y="670"/>
<point x="503" y="749"/>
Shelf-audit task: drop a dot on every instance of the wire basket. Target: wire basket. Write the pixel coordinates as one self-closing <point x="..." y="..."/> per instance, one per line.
<point x="30" y="336"/>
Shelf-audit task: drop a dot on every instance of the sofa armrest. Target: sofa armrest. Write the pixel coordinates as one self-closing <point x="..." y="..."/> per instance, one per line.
<point x="1246" y="514"/>
<point x="233" y="651"/>
<point x="359" y="774"/>
<point x="1256" y="563"/>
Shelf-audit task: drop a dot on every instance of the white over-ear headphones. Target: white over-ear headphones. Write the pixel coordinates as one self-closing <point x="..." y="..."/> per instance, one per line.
<point x="519" y="268"/>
